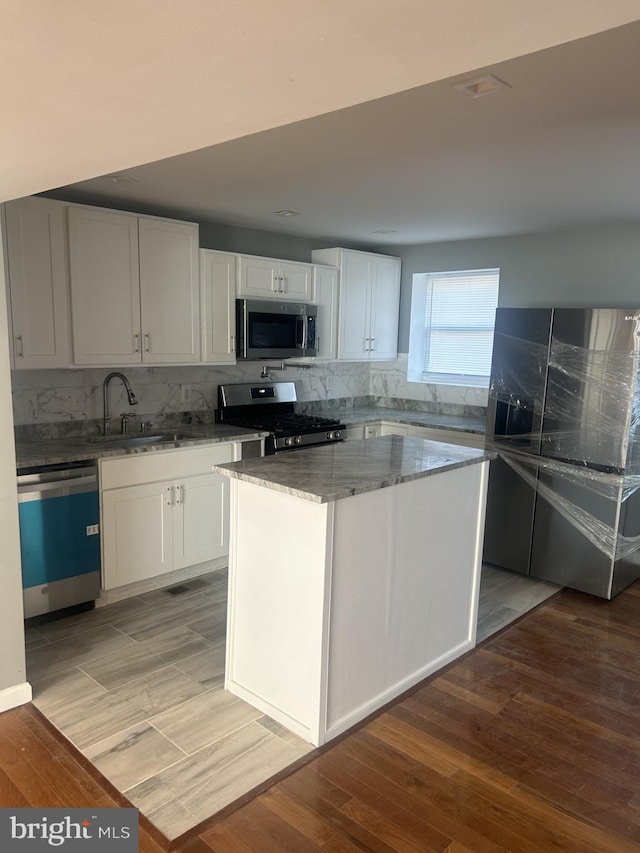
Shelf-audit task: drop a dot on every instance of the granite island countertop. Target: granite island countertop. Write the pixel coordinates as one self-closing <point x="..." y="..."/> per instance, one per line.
<point x="61" y="450"/>
<point x="336" y="471"/>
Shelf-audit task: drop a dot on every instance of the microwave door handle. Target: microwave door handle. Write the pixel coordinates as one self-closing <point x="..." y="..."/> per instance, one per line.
<point x="300" y="332"/>
<point x="244" y="319"/>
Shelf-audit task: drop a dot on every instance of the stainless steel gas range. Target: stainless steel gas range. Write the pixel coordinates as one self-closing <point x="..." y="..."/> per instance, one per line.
<point x="270" y="406"/>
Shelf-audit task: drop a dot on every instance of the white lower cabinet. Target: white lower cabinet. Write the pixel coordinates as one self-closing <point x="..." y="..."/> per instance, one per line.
<point x="137" y="534"/>
<point x="450" y="436"/>
<point x="175" y="521"/>
<point x="394" y="429"/>
<point x="200" y="520"/>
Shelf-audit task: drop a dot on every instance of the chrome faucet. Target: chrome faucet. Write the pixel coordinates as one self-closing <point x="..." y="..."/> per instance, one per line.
<point x="105" y="397"/>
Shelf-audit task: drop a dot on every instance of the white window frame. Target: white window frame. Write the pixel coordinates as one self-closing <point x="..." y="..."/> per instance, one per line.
<point x="418" y="331"/>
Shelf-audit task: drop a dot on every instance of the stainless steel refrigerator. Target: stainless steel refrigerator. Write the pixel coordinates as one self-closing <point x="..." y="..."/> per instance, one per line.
<point x="563" y="501"/>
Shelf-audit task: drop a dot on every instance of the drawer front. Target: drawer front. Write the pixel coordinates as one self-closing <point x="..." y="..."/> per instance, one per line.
<point x="140" y="468"/>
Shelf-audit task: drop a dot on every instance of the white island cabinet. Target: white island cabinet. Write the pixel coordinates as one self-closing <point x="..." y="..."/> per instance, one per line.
<point x="354" y="574"/>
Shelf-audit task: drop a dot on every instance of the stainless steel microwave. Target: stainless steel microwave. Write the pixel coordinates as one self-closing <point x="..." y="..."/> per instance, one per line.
<point x="268" y="328"/>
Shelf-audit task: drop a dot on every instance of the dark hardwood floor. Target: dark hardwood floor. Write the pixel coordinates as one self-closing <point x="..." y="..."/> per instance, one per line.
<point x="530" y="742"/>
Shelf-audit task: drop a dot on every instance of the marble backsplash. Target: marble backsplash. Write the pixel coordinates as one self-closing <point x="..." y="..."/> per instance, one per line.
<point x="388" y="381"/>
<point x="56" y="403"/>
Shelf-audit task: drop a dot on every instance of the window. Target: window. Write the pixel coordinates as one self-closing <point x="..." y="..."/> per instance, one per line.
<point x="452" y="319"/>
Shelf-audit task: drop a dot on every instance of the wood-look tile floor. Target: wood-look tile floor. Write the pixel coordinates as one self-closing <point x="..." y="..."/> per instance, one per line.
<point x="137" y="687"/>
<point x="528" y="743"/>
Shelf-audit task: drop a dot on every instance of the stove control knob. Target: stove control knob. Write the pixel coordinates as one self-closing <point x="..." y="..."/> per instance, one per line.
<point x="329" y="435"/>
<point x="337" y="435"/>
<point x="288" y="442"/>
<point x="297" y="439"/>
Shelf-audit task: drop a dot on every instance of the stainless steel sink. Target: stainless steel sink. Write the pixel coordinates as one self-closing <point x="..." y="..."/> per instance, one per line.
<point x="138" y="440"/>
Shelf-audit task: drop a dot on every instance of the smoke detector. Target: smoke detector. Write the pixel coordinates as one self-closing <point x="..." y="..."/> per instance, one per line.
<point x="480" y="86"/>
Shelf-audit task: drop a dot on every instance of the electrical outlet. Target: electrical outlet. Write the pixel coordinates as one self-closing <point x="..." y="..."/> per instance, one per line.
<point x="93" y="529"/>
<point x="185" y="393"/>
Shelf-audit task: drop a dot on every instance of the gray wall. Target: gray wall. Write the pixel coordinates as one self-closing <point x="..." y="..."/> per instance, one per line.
<point x="595" y="267"/>
<point x="12" y="654"/>
<point x="214" y="235"/>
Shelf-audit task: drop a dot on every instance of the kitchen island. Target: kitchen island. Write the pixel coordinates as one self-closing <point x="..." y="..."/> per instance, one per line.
<point x="354" y="574"/>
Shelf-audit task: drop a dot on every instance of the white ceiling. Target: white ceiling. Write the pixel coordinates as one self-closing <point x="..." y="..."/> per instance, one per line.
<point x="90" y="92"/>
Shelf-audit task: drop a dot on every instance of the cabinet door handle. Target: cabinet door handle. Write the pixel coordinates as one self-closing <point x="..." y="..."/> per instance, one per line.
<point x="283" y="279"/>
<point x="179" y="495"/>
<point x="20" y="343"/>
<point x="136" y="342"/>
<point x="366" y="348"/>
<point x="232" y="344"/>
<point x="147" y="342"/>
<point x="170" y="498"/>
<point x="372" y="344"/>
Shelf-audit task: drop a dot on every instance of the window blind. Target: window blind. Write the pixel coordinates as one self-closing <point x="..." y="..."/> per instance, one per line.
<point x="459" y="320"/>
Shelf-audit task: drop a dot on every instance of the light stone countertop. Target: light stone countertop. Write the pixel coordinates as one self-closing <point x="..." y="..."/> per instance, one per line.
<point x="52" y="451"/>
<point x="362" y="415"/>
<point x="62" y="450"/>
<point x="336" y="471"/>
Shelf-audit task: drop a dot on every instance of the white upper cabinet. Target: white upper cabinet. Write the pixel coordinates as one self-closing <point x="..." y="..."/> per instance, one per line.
<point x="105" y="286"/>
<point x="369" y="303"/>
<point x="218" y="293"/>
<point x="134" y="288"/>
<point x="38" y="282"/>
<point x="268" y="278"/>
<point x="325" y="296"/>
<point x="169" y="291"/>
<point x="384" y="312"/>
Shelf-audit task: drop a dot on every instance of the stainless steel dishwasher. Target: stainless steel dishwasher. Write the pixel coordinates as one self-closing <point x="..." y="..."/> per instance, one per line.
<point x="59" y="512"/>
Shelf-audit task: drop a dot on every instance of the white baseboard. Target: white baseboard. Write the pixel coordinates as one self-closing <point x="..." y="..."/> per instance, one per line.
<point x="11" y="697"/>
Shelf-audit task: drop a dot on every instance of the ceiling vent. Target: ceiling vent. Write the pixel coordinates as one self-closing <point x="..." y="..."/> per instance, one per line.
<point x="286" y="213"/>
<point x="385" y="231"/>
<point x="481" y="86"/>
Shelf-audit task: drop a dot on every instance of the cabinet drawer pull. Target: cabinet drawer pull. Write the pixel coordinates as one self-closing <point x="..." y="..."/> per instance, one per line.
<point x="20" y="343"/>
<point x="147" y="342"/>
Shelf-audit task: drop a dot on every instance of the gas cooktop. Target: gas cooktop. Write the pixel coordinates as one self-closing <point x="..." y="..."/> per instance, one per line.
<point x="270" y="407"/>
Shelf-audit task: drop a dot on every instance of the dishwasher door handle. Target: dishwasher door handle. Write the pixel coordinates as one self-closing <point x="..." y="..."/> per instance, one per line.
<point x="55" y="489"/>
